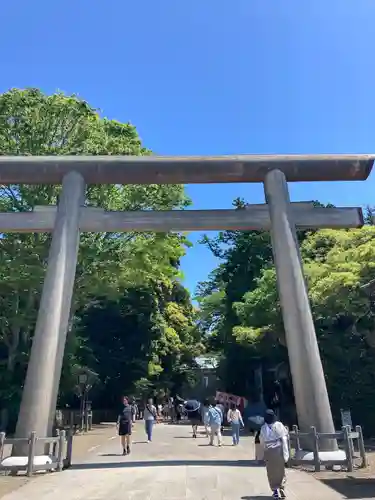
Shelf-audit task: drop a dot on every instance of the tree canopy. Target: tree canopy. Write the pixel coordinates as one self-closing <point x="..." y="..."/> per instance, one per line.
<point x="240" y="312"/>
<point x="121" y="276"/>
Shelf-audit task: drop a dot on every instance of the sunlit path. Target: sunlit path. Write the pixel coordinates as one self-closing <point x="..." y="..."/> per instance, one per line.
<point x="175" y="467"/>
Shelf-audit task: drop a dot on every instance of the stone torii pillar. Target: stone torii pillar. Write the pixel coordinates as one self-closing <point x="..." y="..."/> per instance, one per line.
<point x="310" y="391"/>
<point x="45" y="363"/>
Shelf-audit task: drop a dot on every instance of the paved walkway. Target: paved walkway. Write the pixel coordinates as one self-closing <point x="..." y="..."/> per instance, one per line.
<point x="172" y="467"/>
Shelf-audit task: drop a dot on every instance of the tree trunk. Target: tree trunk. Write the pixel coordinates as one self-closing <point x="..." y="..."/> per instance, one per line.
<point x="12" y="346"/>
<point x="4" y="419"/>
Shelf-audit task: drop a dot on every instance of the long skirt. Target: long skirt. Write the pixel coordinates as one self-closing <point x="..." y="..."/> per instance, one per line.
<point x="275" y="466"/>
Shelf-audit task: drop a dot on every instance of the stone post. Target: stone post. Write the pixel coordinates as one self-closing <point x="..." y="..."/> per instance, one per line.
<point x="310" y="391"/>
<point x="44" y="368"/>
<point x="70" y="272"/>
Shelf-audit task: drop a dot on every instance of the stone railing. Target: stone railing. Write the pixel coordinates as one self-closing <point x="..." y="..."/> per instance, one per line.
<point x="343" y="457"/>
<point x="74" y="420"/>
<point x="57" y="456"/>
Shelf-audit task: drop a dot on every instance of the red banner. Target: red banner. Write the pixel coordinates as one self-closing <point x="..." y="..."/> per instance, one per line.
<point x="226" y="399"/>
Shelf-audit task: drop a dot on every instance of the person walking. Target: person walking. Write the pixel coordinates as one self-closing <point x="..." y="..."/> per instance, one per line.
<point x="124" y="426"/>
<point x="235" y="420"/>
<point x="150" y="416"/>
<point x="141" y="409"/>
<point x="221" y="406"/>
<point x="165" y="412"/>
<point x="172" y="410"/>
<point x="274" y="438"/>
<point x="179" y="410"/>
<point x="160" y="410"/>
<point x="215" y="420"/>
<point x="134" y="410"/>
<point x="194" y="414"/>
<point x="205" y="408"/>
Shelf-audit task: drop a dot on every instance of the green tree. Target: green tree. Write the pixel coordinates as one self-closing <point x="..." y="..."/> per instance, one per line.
<point x="369" y="215"/>
<point x="339" y="266"/>
<point x="33" y="123"/>
<point x="243" y="255"/>
<point x="141" y="342"/>
<point x="240" y="317"/>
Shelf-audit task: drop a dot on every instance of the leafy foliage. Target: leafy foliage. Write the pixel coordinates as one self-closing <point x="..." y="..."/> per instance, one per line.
<point x="140" y="342"/>
<point x="241" y="301"/>
<point x="243" y="256"/>
<point x="111" y="266"/>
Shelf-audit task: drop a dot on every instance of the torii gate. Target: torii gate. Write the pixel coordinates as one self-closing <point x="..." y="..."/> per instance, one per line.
<point x="278" y="215"/>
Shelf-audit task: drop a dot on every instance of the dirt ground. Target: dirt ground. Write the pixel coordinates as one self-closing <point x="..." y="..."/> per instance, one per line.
<point x="83" y="444"/>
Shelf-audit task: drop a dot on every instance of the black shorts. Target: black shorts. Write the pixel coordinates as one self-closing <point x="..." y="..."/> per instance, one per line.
<point x="195" y="417"/>
<point x="125" y="429"/>
<point x="195" y="421"/>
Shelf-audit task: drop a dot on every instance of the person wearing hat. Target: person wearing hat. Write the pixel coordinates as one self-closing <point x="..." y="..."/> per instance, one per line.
<point x="274" y="438"/>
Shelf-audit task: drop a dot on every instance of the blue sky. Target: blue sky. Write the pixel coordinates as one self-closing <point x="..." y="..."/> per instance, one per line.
<point x="211" y="77"/>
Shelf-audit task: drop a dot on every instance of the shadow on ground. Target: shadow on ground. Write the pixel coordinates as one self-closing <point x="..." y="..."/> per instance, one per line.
<point x="352" y="487"/>
<point x="256" y="497"/>
<point x="224" y="433"/>
<point x="224" y="445"/>
<point x="190" y="437"/>
<point x="164" y="463"/>
<point x="111" y="455"/>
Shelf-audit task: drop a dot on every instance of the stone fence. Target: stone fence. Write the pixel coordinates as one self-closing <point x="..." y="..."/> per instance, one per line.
<point x="58" y="453"/>
<point x="344" y="456"/>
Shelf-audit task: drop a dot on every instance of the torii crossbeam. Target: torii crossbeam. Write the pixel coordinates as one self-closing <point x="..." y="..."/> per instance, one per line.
<point x="251" y="218"/>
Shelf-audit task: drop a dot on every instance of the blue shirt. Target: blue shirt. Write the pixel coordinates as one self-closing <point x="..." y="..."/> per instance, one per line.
<point x="215" y="416"/>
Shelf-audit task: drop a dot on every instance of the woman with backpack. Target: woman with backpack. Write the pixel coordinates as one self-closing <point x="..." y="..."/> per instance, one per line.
<point x="274" y="438"/>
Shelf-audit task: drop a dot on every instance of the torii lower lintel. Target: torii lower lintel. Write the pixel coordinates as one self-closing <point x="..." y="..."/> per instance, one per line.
<point x="252" y="218"/>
